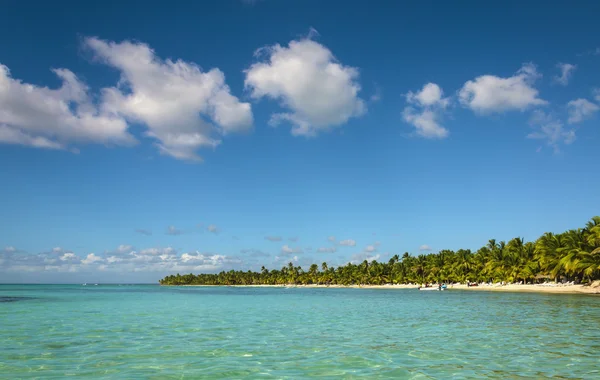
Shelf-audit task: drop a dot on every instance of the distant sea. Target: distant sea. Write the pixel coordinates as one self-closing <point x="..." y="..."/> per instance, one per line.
<point x="153" y="332"/>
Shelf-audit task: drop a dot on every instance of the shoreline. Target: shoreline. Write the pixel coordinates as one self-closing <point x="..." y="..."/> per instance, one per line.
<point x="536" y="288"/>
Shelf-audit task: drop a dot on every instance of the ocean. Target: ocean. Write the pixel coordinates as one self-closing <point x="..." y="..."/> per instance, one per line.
<point x="153" y="332"/>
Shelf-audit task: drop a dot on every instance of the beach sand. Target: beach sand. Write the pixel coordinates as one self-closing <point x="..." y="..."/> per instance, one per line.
<point x="538" y="288"/>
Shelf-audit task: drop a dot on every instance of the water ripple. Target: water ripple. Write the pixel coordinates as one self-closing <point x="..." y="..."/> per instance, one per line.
<point x="158" y="332"/>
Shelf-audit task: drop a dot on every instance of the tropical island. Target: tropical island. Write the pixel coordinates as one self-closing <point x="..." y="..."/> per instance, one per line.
<point x="569" y="258"/>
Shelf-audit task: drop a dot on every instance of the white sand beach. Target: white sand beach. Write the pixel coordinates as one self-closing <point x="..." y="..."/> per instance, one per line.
<point x="594" y="288"/>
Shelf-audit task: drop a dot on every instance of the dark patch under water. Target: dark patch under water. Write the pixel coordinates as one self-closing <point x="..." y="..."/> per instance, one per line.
<point x="15" y="299"/>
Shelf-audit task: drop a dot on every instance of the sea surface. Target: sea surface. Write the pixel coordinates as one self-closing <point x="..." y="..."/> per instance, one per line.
<point x="153" y="332"/>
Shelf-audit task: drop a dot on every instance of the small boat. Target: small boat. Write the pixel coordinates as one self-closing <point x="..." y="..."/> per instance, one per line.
<point x="437" y="288"/>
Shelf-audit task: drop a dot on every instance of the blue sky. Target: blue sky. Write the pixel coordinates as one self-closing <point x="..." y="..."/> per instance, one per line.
<point x="200" y="136"/>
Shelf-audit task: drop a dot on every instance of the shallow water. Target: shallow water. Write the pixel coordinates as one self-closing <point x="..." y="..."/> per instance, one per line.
<point x="147" y="331"/>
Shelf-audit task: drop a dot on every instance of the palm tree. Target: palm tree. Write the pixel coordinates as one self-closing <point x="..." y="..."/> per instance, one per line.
<point x="574" y="254"/>
<point x="549" y="248"/>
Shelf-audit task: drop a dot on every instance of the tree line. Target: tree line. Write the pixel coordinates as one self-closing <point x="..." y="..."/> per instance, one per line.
<point x="573" y="255"/>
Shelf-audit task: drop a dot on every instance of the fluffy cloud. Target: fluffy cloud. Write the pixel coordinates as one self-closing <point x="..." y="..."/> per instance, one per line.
<point x="317" y="90"/>
<point x="566" y="71"/>
<point x="426" y="122"/>
<point x="361" y="257"/>
<point x="114" y="259"/>
<point x="489" y="93"/>
<point x="91" y="259"/>
<point x="172" y="98"/>
<point x="294" y="259"/>
<point x="55" y="118"/>
<point x="424" y="247"/>
<point x="370" y="248"/>
<point x="326" y="250"/>
<point x="580" y="109"/>
<point x="273" y="238"/>
<point x="425" y="111"/>
<point x="348" y="243"/>
<point x="69" y="256"/>
<point x="202" y="258"/>
<point x="286" y="249"/>
<point x="157" y="251"/>
<point x="430" y="95"/>
<point x="550" y="130"/>
<point x="122" y="249"/>
<point x="163" y="260"/>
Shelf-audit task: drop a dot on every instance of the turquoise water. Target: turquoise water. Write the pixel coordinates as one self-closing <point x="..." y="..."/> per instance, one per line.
<point x="148" y="331"/>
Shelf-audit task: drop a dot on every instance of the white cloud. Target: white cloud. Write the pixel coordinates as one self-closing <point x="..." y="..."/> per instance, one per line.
<point x="113" y="259"/>
<point x="68" y="256"/>
<point x="425" y="111"/>
<point x="157" y="251"/>
<point x="172" y="98"/>
<point x="580" y="109"/>
<point x="326" y="250"/>
<point x="360" y="257"/>
<point x="426" y="122"/>
<point x="200" y="261"/>
<point x="10" y="249"/>
<point x="489" y="93"/>
<point x="91" y="259"/>
<point x="332" y="239"/>
<point x="55" y="118"/>
<point x="370" y="248"/>
<point x="273" y="238"/>
<point x="212" y="228"/>
<point x="430" y="95"/>
<point x="120" y="250"/>
<point x="286" y="249"/>
<point x="348" y="243"/>
<point x="319" y="92"/>
<point x="162" y="260"/>
<point x="566" y="71"/>
<point x="204" y="259"/>
<point x="424" y="247"/>
<point x="124" y="248"/>
<point x="550" y="130"/>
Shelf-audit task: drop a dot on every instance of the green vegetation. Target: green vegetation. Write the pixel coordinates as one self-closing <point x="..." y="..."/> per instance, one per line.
<point x="573" y="255"/>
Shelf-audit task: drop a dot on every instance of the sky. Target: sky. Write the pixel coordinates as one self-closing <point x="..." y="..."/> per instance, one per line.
<point x="191" y="137"/>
